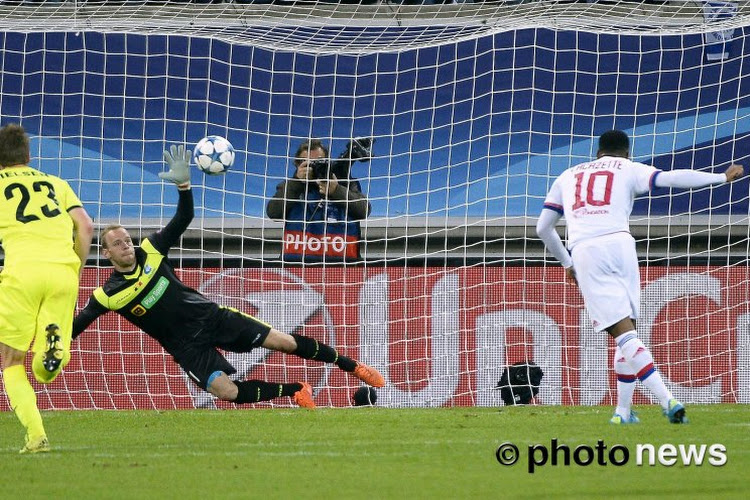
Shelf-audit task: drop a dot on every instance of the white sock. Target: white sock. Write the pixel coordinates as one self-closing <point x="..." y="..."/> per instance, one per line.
<point x="625" y="384"/>
<point x="641" y="362"/>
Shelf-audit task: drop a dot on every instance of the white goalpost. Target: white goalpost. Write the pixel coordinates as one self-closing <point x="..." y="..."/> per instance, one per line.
<point x="474" y="110"/>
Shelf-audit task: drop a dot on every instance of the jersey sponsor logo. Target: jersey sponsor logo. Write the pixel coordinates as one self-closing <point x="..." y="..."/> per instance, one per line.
<point x="156" y="293"/>
<point x="585" y="211"/>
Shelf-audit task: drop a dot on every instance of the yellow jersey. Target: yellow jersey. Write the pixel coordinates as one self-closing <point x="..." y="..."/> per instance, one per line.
<point x="34" y="222"/>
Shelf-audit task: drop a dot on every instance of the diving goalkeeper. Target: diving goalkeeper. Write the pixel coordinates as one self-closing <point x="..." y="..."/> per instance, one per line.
<point x="144" y="289"/>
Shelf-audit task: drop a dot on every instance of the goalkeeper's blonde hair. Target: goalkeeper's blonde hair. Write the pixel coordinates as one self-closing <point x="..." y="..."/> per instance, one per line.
<point x="105" y="231"/>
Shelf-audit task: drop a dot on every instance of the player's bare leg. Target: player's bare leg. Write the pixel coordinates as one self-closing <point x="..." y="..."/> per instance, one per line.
<point x="309" y="348"/>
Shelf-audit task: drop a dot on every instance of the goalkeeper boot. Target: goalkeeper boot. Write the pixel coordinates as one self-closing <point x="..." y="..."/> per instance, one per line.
<point x="53" y="354"/>
<point x="675" y="412"/>
<point x="304" y="397"/>
<point x="38" y="445"/>
<point x="369" y="375"/>
<point x="620" y="420"/>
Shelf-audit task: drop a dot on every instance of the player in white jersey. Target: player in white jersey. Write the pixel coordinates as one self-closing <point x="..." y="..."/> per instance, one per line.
<point x="596" y="199"/>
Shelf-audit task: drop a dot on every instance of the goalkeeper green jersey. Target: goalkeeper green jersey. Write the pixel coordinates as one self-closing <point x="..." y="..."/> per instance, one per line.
<point x="151" y="296"/>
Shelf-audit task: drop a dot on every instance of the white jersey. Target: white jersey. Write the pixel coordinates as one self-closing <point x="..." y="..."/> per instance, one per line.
<point x="596" y="197"/>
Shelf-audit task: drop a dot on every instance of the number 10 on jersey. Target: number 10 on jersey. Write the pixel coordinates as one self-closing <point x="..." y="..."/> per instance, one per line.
<point x="598" y="187"/>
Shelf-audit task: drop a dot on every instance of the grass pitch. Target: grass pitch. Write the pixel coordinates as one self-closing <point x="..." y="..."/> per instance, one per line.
<point x="373" y="452"/>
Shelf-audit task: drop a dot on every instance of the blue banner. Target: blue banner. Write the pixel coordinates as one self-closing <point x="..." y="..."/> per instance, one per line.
<point x="477" y="128"/>
<point x="718" y="43"/>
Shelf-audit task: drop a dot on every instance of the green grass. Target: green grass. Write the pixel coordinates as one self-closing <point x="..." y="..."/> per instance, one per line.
<point x="374" y="452"/>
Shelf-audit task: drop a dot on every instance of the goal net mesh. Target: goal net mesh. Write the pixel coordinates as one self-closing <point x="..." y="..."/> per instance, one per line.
<point x="474" y="110"/>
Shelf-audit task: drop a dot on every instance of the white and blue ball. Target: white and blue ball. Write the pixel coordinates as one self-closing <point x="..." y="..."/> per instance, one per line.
<point x="213" y="155"/>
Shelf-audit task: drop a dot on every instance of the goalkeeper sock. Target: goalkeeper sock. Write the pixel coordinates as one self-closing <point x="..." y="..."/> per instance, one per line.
<point x="23" y="400"/>
<point x="641" y="362"/>
<point x="253" y="391"/>
<point x="625" y="384"/>
<point x="309" y="348"/>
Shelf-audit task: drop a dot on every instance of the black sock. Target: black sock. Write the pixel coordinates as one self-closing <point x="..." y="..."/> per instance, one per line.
<point x="253" y="391"/>
<point x="346" y="364"/>
<point x="310" y="348"/>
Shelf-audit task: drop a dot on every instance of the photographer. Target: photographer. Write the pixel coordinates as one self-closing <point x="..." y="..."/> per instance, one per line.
<point x="321" y="205"/>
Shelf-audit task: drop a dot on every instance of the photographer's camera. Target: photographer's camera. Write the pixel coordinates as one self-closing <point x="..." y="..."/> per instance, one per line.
<point x="358" y="149"/>
<point x="321" y="168"/>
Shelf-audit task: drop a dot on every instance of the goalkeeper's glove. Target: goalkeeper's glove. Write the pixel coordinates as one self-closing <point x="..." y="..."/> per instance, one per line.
<point x="178" y="160"/>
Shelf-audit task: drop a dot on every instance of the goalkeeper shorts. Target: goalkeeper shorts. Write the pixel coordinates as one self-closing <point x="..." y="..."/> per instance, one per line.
<point x="230" y="330"/>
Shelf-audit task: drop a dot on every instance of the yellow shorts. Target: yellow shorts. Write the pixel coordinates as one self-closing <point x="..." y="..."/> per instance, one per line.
<point x="32" y="297"/>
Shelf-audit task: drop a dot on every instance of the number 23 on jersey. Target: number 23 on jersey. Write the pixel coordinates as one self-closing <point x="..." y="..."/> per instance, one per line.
<point x="41" y="200"/>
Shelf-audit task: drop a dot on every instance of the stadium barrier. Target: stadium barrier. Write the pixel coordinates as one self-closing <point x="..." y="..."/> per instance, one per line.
<point x="475" y="109"/>
<point x="441" y="336"/>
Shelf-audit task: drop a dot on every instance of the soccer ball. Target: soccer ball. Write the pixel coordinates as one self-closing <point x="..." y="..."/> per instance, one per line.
<point x="213" y="155"/>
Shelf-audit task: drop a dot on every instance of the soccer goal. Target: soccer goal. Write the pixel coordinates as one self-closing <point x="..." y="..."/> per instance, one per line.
<point x="474" y="109"/>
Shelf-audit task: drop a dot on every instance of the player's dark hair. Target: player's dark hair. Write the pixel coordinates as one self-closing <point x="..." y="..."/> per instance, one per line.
<point x="14" y="145"/>
<point x="104" y="232"/>
<point x="614" y="143"/>
<point x="308" y="146"/>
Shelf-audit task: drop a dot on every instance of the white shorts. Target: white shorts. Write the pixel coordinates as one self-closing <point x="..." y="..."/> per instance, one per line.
<point x="607" y="272"/>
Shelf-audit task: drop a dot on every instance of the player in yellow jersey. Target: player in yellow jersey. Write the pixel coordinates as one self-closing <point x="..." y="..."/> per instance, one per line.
<point x="46" y="235"/>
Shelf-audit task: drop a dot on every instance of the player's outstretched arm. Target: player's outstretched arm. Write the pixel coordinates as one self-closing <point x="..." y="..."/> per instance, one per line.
<point x="178" y="160"/>
<point x="86" y="316"/>
<point x="689" y="179"/>
<point x="734" y="172"/>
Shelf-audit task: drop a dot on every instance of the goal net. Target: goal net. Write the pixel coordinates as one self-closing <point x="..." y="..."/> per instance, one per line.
<point x="474" y="110"/>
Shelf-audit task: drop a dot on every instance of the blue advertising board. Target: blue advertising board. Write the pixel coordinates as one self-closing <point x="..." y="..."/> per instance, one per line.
<point x="477" y="128"/>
